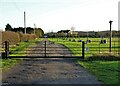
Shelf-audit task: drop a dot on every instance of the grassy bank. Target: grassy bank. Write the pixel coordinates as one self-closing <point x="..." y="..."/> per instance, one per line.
<point x="105" y="71"/>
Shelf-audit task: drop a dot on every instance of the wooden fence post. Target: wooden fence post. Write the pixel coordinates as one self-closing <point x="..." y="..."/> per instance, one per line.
<point x="45" y="48"/>
<point x="6" y="49"/>
<point x="83" y="49"/>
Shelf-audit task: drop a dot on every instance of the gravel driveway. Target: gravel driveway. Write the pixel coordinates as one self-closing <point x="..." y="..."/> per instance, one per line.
<point x="52" y="49"/>
<point x="49" y="71"/>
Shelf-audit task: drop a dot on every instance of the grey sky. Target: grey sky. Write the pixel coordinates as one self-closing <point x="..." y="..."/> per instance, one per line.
<point x="54" y="15"/>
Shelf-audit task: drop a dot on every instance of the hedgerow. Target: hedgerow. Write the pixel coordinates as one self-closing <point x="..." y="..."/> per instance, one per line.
<point x="22" y="36"/>
<point x="29" y="37"/>
<point x="16" y="37"/>
<point x="12" y="37"/>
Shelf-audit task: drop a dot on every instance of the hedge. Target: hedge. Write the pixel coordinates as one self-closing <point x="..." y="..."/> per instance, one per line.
<point x="16" y="37"/>
<point x="12" y="37"/>
<point x="28" y="37"/>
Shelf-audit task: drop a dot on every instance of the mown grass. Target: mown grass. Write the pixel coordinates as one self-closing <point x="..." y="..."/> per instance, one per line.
<point x="107" y="72"/>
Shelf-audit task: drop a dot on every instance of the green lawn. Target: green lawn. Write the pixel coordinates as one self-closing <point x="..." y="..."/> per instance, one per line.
<point x="105" y="71"/>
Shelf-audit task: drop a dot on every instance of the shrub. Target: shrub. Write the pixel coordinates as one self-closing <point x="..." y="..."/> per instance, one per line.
<point x="12" y="37"/>
<point x="73" y="40"/>
<point x="26" y="37"/>
<point x="22" y="37"/>
<point x="30" y="37"/>
<point x="16" y="37"/>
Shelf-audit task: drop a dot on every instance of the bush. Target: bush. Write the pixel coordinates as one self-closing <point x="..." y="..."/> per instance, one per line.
<point x="63" y="38"/>
<point x="26" y="37"/>
<point x="73" y="40"/>
<point x="22" y="37"/>
<point x="16" y="37"/>
<point x="69" y="39"/>
<point x="30" y="37"/>
<point x="12" y="37"/>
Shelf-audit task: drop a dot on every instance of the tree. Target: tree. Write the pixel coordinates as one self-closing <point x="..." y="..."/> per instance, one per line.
<point x="62" y="34"/>
<point x="8" y="27"/>
<point x="19" y="29"/>
<point x="29" y="30"/>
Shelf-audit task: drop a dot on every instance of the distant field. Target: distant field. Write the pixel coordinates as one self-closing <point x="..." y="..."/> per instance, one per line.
<point x="92" y="48"/>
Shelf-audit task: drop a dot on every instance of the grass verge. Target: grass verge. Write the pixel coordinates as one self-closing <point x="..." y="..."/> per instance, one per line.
<point x="105" y="71"/>
<point x="8" y="63"/>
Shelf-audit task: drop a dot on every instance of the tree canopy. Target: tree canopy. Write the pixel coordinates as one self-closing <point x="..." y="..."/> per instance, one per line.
<point x="38" y="31"/>
<point x="8" y="27"/>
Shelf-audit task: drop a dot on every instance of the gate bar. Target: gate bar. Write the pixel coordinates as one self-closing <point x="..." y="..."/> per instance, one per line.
<point x="45" y="57"/>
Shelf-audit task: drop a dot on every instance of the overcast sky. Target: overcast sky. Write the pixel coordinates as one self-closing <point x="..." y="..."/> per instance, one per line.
<point x="54" y="15"/>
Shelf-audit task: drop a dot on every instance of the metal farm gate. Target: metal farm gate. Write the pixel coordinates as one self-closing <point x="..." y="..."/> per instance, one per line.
<point x="40" y="49"/>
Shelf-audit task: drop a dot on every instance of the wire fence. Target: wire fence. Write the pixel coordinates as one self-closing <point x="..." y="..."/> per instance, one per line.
<point x="92" y="47"/>
<point x="95" y="47"/>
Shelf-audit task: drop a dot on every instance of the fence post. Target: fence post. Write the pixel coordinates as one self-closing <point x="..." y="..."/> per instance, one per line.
<point x="6" y="49"/>
<point x="83" y="49"/>
<point x="99" y="48"/>
<point x="45" y="48"/>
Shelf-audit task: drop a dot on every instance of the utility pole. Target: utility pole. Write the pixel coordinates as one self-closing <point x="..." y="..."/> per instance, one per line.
<point x="25" y="22"/>
<point x="110" y="36"/>
<point x="87" y="36"/>
<point x="34" y="28"/>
